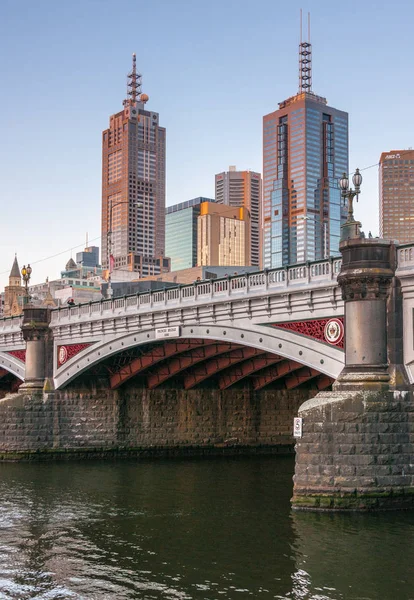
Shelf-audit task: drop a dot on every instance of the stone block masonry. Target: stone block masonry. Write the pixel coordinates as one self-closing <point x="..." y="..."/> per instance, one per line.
<point x="135" y="420"/>
<point x="356" y="452"/>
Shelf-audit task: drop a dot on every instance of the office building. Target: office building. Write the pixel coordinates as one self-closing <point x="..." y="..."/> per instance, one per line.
<point x="133" y="186"/>
<point x="305" y="152"/>
<point x="181" y="233"/>
<point x="396" y="189"/>
<point x="243" y="188"/>
<point x="223" y="237"/>
<point x="89" y="257"/>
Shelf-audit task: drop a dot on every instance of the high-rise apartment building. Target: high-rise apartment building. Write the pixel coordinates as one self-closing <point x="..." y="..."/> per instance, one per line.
<point x="223" y="237"/>
<point x="133" y="186"/>
<point x="243" y="188"/>
<point x="305" y="152"/>
<point x="396" y="188"/>
<point x="181" y="233"/>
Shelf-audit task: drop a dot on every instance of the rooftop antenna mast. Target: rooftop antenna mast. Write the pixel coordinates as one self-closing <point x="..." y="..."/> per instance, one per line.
<point x="134" y="83"/>
<point x="305" y="60"/>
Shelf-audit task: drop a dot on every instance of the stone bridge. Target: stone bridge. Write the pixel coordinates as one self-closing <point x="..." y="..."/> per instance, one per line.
<point x="282" y="325"/>
<point x="227" y="365"/>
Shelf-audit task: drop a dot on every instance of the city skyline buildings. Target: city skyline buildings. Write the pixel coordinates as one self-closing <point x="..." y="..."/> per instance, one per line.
<point x="396" y="195"/>
<point x="86" y="68"/>
<point x="181" y="233"/>
<point x="223" y="236"/>
<point x="244" y="189"/>
<point x="305" y="152"/>
<point x="133" y="186"/>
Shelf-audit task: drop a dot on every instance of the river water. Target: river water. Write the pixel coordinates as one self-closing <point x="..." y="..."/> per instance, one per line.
<point x="206" y="529"/>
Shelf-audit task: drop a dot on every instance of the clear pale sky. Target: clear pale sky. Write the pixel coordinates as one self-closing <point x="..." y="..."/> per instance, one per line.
<point x="211" y="69"/>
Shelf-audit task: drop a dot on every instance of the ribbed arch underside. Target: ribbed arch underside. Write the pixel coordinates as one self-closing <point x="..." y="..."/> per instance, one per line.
<point x="190" y="362"/>
<point x="8" y="382"/>
<point x="11" y="370"/>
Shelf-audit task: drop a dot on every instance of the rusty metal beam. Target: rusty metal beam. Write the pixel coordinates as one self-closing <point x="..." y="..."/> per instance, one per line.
<point x="176" y="364"/>
<point x="215" y="365"/>
<point x="246" y="368"/>
<point x="151" y="357"/>
<point x="295" y="379"/>
<point x="15" y="384"/>
<point x="323" y="382"/>
<point x="275" y="372"/>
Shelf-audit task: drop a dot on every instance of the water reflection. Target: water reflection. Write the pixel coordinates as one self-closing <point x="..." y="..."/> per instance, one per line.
<point x="175" y="529"/>
<point x="193" y="529"/>
<point x="354" y="556"/>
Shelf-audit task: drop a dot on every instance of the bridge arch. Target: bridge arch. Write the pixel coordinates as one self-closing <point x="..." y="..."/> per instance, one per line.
<point x="12" y="365"/>
<point x="318" y="356"/>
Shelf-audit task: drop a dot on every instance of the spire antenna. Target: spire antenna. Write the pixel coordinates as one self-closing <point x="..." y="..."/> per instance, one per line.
<point x="134" y="83"/>
<point x="305" y="60"/>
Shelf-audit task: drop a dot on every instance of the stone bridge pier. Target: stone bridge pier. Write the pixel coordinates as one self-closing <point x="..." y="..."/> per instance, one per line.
<point x="39" y="348"/>
<point x="357" y="446"/>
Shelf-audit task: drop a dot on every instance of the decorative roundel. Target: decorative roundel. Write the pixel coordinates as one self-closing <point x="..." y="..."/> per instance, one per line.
<point x="63" y="355"/>
<point x="334" y="331"/>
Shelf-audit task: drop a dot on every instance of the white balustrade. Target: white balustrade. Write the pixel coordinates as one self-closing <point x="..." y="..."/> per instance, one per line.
<point x="251" y="284"/>
<point x="405" y="256"/>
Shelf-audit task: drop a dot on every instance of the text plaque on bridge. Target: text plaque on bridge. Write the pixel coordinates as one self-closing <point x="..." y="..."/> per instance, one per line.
<point x="167" y="332"/>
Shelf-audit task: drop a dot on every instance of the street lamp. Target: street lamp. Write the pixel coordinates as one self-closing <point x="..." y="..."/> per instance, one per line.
<point x="350" y="227"/>
<point x="109" y="239"/>
<point x="348" y="193"/>
<point x="26" y="272"/>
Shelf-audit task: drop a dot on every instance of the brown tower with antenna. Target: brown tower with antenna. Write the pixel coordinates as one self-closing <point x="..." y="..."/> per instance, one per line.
<point x="133" y="186"/>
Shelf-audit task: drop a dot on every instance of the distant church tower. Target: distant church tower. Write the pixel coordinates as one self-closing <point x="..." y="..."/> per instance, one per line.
<point x="13" y="292"/>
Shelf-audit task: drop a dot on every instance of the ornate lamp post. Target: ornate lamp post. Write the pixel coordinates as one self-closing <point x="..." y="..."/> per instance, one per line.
<point x="26" y="272"/>
<point x="109" y="240"/>
<point x="351" y="228"/>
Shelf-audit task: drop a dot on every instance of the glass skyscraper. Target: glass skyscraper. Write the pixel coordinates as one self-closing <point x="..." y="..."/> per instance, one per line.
<point x="305" y="152"/>
<point x="181" y="233"/>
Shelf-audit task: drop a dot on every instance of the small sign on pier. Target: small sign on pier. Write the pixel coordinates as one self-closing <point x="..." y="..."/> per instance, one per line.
<point x="297" y="427"/>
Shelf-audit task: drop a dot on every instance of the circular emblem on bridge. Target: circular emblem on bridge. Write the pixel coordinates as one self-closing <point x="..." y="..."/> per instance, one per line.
<point x="334" y="331"/>
<point x="62" y="355"/>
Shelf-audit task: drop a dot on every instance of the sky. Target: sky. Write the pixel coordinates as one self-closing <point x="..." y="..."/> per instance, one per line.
<point x="211" y="69"/>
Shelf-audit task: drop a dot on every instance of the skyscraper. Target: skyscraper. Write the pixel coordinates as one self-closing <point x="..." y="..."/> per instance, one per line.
<point x="305" y="152"/>
<point x="243" y="188"/>
<point x="396" y="187"/>
<point x="133" y="186"/>
<point x="223" y="237"/>
<point x="181" y="233"/>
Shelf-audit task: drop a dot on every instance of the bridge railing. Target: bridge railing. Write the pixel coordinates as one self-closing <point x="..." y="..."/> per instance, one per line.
<point x="250" y="284"/>
<point x="11" y="324"/>
<point x="405" y="256"/>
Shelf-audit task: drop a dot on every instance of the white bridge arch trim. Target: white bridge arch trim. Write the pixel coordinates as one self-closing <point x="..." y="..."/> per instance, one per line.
<point x="12" y="364"/>
<point x="326" y="359"/>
